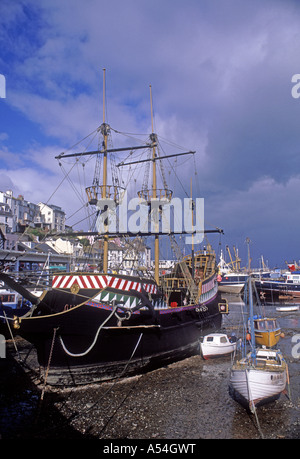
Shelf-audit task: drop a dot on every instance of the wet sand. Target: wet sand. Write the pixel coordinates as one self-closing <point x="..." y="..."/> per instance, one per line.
<point x="185" y="400"/>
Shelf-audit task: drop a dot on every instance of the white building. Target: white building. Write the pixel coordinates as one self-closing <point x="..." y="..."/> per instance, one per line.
<point x="123" y="256"/>
<point x="135" y="255"/>
<point x="65" y="246"/>
<point x="53" y="216"/>
<point x="16" y="213"/>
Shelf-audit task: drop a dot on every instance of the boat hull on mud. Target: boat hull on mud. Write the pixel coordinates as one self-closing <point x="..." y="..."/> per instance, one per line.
<point x="217" y="345"/>
<point x="94" y="340"/>
<point x="260" y="382"/>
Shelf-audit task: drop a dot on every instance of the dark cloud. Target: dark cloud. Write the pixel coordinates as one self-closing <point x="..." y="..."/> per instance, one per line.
<point x="221" y="77"/>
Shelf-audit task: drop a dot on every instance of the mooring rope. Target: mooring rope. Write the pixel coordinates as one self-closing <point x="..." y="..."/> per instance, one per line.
<point x="251" y="403"/>
<point x="11" y="334"/>
<point x="46" y="377"/>
<point x="49" y="362"/>
<point x="81" y="354"/>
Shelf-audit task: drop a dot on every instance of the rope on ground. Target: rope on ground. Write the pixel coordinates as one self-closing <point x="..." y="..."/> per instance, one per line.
<point x="49" y="361"/>
<point x="46" y="376"/>
<point x="126" y="396"/>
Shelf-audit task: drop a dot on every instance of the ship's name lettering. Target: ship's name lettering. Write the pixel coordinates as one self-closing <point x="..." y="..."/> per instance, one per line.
<point x="68" y="306"/>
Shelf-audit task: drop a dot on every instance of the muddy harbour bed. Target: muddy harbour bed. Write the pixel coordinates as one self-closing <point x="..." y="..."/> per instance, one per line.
<point x="185" y="400"/>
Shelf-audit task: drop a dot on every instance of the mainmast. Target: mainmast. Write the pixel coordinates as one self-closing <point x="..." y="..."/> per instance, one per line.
<point x="104" y="130"/>
<point x="250" y="299"/>
<point x="154" y="193"/>
<point x="193" y="252"/>
<point x="97" y="192"/>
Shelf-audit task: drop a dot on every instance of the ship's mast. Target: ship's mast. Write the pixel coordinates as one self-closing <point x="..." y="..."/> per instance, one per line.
<point x="193" y="254"/>
<point x="154" y="194"/>
<point x="106" y="191"/>
<point x="104" y="130"/>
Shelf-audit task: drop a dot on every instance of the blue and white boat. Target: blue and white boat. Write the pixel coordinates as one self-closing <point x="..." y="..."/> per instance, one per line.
<point x="230" y="281"/>
<point x="288" y="286"/>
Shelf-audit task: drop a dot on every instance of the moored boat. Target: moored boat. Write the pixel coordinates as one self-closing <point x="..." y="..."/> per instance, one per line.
<point x="96" y="326"/>
<point x="217" y="345"/>
<point x="260" y="380"/>
<point x="230" y="280"/>
<point x="267" y="331"/>
<point x="286" y="287"/>
<point x="290" y="308"/>
<point x="95" y="333"/>
<point x="260" y="376"/>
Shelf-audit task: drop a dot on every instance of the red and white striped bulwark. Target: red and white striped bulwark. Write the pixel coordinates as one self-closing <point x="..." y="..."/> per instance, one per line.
<point x="208" y="286"/>
<point x="96" y="281"/>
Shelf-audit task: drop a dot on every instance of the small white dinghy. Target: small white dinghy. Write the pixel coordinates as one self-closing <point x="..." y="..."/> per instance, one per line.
<point x="217" y="345"/>
<point x="290" y="308"/>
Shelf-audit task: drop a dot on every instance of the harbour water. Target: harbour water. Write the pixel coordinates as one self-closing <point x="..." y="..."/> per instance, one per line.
<point x="185" y="400"/>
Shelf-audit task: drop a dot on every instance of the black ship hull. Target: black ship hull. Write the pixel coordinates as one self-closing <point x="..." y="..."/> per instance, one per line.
<point x="92" y="326"/>
<point x="275" y="290"/>
<point x="6" y="316"/>
<point x="88" y="343"/>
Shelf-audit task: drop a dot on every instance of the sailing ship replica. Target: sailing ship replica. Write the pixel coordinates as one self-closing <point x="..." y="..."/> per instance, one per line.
<point x="260" y="376"/>
<point x="96" y="326"/>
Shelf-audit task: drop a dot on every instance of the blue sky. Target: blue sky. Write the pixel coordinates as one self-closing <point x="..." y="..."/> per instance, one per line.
<point x="221" y="76"/>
